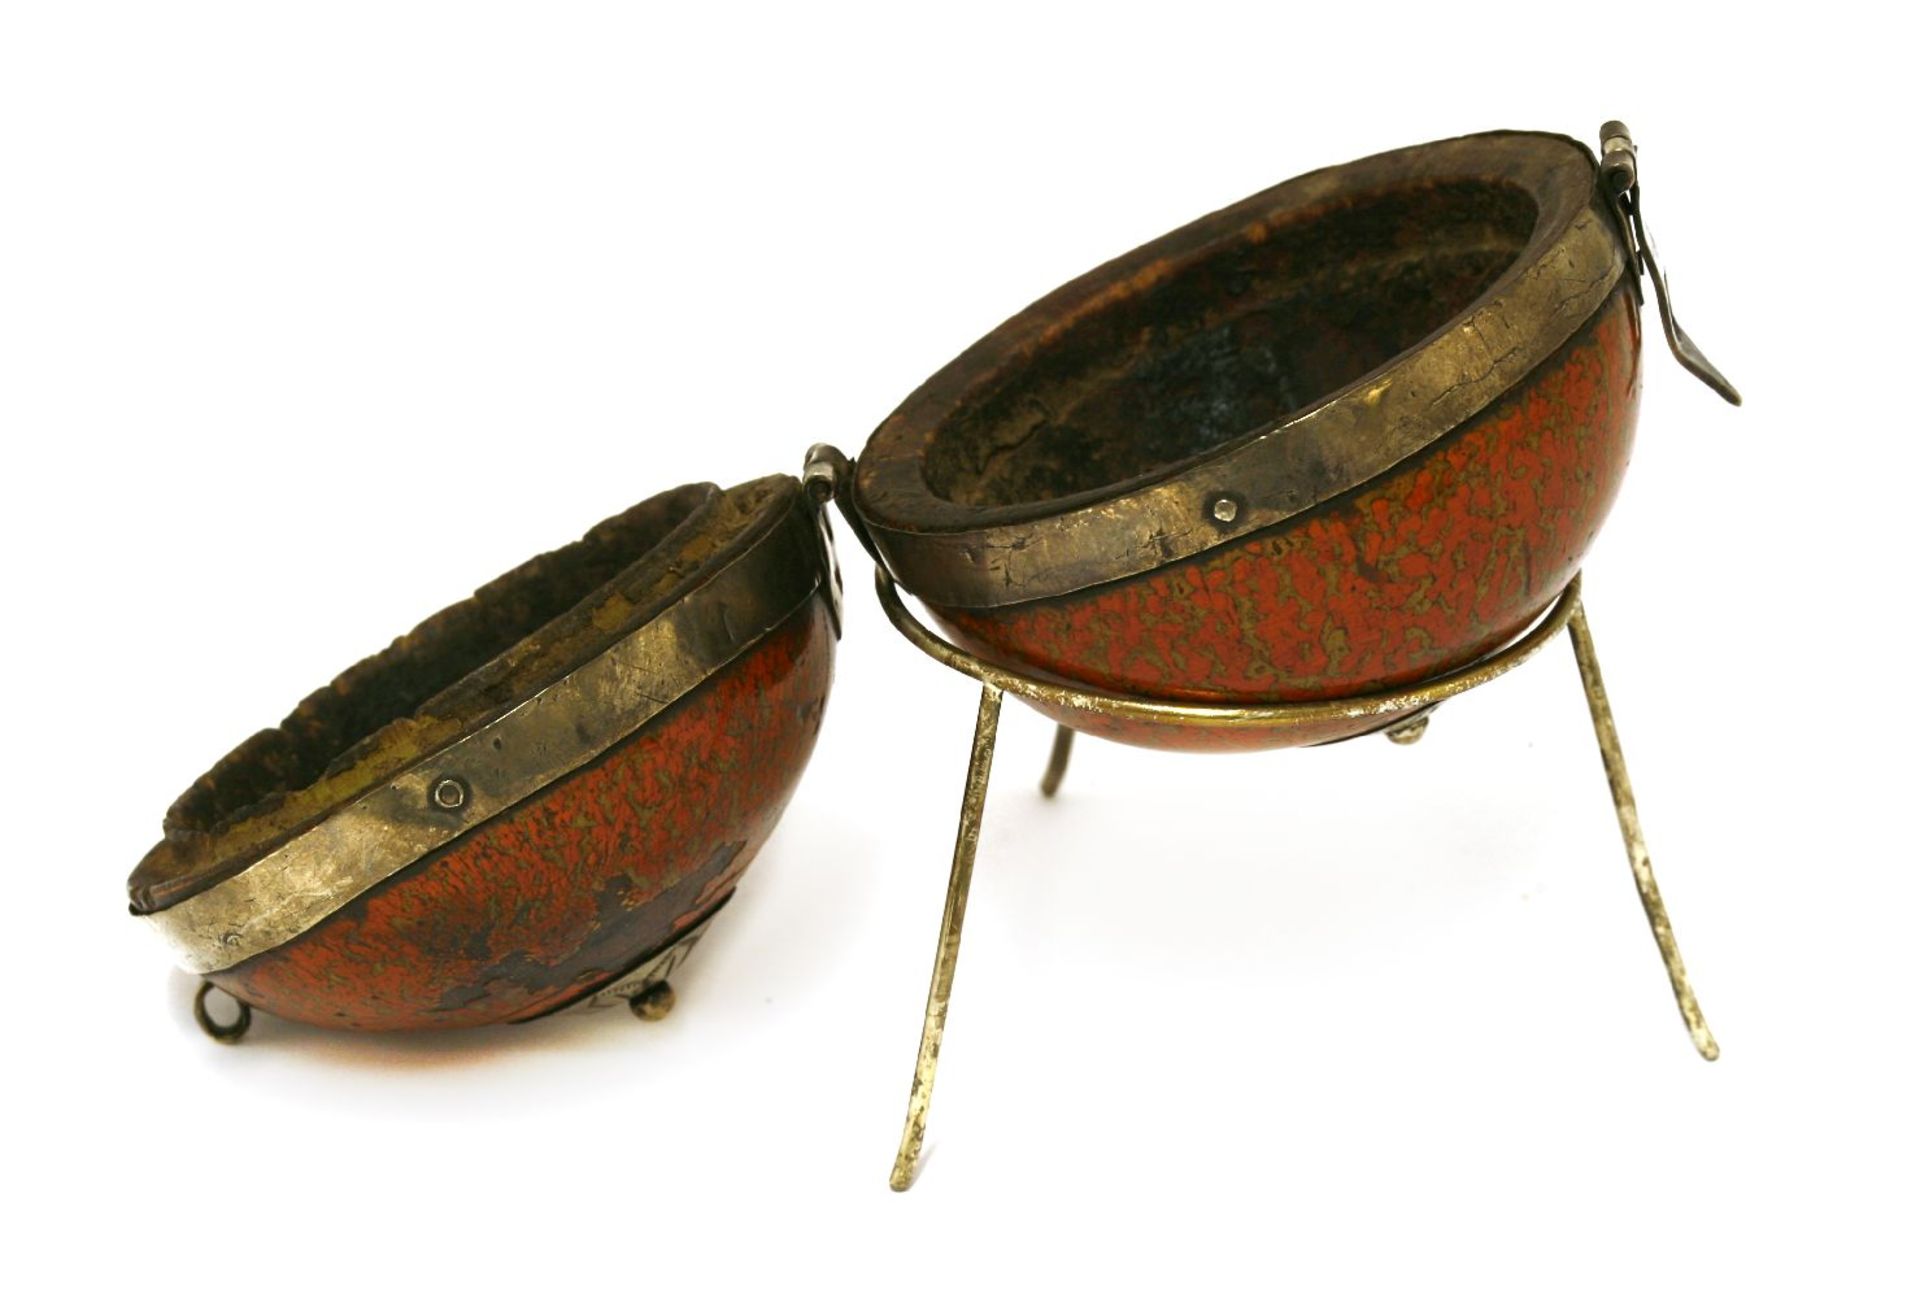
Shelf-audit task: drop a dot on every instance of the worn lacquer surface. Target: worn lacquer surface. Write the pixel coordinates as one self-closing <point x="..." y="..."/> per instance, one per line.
<point x="1420" y="571"/>
<point x="552" y="898"/>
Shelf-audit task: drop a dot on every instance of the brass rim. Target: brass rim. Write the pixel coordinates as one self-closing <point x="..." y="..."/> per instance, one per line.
<point x="960" y="556"/>
<point x="1263" y="716"/>
<point x="300" y="883"/>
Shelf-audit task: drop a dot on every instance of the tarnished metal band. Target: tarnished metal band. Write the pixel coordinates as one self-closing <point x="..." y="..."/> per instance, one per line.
<point x="1228" y="716"/>
<point x="559" y="729"/>
<point x="1562" y="278"/>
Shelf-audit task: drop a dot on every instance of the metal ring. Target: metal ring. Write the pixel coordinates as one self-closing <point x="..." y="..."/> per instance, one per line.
<point x="1231" y="716"/>
<point x="225" y="1033"/>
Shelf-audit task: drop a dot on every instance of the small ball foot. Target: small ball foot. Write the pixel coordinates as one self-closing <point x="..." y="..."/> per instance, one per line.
<point x="1409" y="732"/>
<point x="652" y="1002"/>
<point x="226" y="1034"/>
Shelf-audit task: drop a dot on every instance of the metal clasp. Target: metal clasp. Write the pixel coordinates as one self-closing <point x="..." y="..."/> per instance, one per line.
<point x="828" y="477"/>
<point x="1620" y="173"/>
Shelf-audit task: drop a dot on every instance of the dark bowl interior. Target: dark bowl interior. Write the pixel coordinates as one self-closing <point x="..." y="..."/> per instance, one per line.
<point x="1226" y="344"/>
<point x="436" y="656"/>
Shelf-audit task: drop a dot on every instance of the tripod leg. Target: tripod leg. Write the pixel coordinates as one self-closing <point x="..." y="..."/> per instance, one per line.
<point x="1623" y="805"/>
<point x="1057" y="762"/>
<point x="985" y="730"/>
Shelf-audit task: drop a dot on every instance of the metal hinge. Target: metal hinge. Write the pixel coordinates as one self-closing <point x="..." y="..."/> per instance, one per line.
<point x="828" y="477"/>
<point x="1620" y="173"/>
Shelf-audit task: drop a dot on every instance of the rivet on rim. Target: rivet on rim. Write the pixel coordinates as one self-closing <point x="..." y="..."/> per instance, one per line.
<point x="449" y="793"/>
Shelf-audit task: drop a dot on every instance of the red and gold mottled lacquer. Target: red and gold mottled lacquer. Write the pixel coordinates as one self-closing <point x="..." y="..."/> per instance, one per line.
<point x="1419" y="572"/>
<point x="542" y="904"/>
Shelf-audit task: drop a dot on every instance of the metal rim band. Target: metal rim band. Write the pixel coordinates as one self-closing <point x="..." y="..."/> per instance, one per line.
<point x="1264" y="716"/>
<point x="552" y="733"/>
<point x="1560" y="278"/>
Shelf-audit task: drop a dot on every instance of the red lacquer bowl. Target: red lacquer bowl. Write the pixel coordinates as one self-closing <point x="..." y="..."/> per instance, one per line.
<point x="529" y="796"/>
<point x="1347" y="435"/>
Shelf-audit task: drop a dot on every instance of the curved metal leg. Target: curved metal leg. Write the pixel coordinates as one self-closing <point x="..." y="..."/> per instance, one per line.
<point x="1057" y="762"/>
<point x="986" y="729"/>
<point x="1623" y="804"/>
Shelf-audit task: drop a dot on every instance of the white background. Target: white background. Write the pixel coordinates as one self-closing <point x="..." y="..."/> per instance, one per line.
<point x="314" y="318"/>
